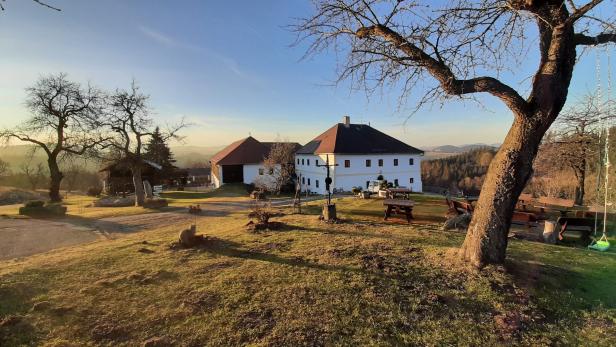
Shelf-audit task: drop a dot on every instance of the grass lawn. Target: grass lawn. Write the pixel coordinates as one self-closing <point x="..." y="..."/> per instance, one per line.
<point x="360" y="282"/>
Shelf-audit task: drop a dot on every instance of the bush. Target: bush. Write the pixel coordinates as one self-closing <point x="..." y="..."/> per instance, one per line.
<point x="384" y="185"/>
<point x="356" y="190"/>
<point x="94" y="191"/>
<point x="155" y="203"/>
<point x="37" y="208"/>
<point x="35" y="203"/>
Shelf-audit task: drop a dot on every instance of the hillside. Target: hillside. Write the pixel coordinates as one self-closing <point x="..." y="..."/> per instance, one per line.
<point x="464" y="171"/>
<point x="17" y="155"/>
<point x="359" y="282"/>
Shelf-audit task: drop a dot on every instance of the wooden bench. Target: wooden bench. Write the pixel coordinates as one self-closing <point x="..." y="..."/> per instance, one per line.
<point x="527" y="218"/>
<point x="588" y="225"/>
<point x="396" y="206"/>
<point x="523" y="201"/>
<point x="458" y="207"/>
<point x="555" y="204"/>
<point x="394" y="193"/>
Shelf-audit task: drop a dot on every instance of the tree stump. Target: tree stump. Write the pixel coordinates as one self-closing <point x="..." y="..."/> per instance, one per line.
<point x="329" y="212"/>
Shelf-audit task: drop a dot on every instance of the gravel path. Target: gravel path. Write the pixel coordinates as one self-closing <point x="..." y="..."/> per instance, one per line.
<point x="24" y="237"/>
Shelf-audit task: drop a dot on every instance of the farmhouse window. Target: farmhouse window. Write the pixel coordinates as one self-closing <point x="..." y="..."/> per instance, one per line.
<point x="411" y="180"/>
<point x="303" y="180"/>
<point x="302" y="161"/>
<point x="260" y="171"/>
<point x="396" y="182"/>
<point x="411" y="161"/>
<point x="316" y="182"/>
<point x="380" y="162"/>
<point x="347" y="163"/>
<point x="297" y="161"/>
<point x="308" y="162"/>
<point x="395" y="162"/>
<point x="368" y="162"/>
<point x="309" y="181"/>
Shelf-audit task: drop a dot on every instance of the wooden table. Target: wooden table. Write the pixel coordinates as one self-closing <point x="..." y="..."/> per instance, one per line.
<point x="397" y="206"/>
<point x="393" y="193"/>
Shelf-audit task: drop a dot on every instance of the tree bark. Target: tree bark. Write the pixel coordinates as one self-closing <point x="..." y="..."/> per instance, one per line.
<point x="486" y="240"/>
<point x="138" y="183"/>
<point x="55" y="178"/>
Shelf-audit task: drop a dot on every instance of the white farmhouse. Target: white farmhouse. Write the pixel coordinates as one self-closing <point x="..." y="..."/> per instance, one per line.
<point x="362" y="155"/>
<point x="242" y="162"/>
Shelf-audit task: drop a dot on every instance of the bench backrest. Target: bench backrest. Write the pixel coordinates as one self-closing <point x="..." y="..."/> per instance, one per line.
<point x="526" y="197"/>
<point x="556" y="201"/>
<point x="459" y="206"/>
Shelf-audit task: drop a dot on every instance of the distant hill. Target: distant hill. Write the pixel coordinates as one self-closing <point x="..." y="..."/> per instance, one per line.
<point x="17" y="155"/>
<point x="445" y="151"/>
<point x="187" y="156"/>
<point x="461" y="148"/>
<point x="464" y="171"/>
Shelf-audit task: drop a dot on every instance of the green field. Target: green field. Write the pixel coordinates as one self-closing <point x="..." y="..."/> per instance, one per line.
<point x="359" y="282"/>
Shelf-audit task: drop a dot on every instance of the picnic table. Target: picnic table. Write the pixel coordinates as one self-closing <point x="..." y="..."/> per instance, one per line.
<point x="399" y="206"/>
<point x="394" y="193"/>
<point x="563" y="206"/>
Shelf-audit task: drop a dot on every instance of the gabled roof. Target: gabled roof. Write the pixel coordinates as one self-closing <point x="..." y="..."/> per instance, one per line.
<point x="356" y="139"/>
<point x="244" y="151"/>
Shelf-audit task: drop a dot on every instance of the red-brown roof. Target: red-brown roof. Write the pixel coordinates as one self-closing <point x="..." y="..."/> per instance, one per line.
<point x="356" y="139"/>
<point x="244" y="151"/>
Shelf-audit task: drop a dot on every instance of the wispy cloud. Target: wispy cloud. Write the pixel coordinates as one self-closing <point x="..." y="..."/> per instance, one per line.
<point x="169" y="41"/>
<point x="157" y="36"/>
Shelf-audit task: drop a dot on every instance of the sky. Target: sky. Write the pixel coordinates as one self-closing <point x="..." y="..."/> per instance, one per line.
<point x="227" y="67"/>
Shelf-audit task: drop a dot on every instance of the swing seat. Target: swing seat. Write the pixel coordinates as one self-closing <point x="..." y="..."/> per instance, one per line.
<point x="601" y="245"/>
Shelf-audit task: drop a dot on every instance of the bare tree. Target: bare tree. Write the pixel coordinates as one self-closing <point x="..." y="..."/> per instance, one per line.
<point x="39" y="2"/>
<point x="34" y="173"/>
<point x="63" y="121"/>
<point x="575" y="140"/>
<point x="131" y="126"/>
<point x="279" y="164"/>
<point x="4" y="168"/>
<point x="448" y="51"/>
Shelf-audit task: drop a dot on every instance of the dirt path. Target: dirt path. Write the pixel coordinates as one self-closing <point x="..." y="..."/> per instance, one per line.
<point x="23" y="237"/>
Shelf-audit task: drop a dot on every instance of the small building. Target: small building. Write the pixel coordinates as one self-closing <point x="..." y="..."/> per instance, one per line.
<point x="199" y="176"/>
<point x="117" y="177"/>
<point x="362" y="155"/>
<point x="242" y="162"/>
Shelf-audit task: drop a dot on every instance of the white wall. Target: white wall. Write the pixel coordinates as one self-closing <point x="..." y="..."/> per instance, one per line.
<point x="251" y="175"/>
<point x="357" y="174"/>
<point x="215" y="179"/>
<point x="309" y="174"/>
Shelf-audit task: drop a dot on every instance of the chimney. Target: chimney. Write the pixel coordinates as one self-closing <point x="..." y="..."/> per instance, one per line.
<point x="346" y="120"/>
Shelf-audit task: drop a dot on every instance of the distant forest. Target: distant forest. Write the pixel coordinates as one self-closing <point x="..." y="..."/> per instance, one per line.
<point x="460" y="173"/>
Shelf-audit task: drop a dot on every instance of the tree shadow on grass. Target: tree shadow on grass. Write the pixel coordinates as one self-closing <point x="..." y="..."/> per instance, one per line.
<point x="234" y="250"/>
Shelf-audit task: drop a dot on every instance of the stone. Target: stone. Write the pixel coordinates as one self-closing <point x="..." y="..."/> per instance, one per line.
<point x="147" y="187"/>
<point x="188" y="237"/>
<point x="549" y="232"/>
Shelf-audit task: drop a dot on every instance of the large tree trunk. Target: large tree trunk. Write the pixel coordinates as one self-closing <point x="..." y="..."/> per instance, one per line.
<point x="55" y="178"/>
<point x="138" y="183"/>
<point x="486" y="241"/>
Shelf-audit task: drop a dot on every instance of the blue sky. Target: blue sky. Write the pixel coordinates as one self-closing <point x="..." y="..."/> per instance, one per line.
<point x="228" y="68"/>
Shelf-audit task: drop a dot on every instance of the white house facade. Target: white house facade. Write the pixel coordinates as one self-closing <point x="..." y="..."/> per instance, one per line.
<point x="357" y="154"/>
